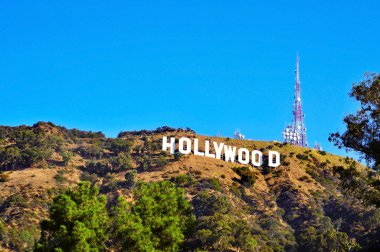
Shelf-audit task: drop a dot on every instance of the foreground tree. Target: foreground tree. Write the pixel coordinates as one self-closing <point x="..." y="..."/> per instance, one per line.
<point x="160" y="219"/>
<point x="363" y="128"/>
<point x="78" y="221"/>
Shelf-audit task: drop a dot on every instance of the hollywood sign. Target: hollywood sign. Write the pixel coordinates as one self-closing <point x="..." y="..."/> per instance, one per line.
<point x="244" y="156"/>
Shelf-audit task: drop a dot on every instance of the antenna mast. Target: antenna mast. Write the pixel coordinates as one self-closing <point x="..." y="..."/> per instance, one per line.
<point x="296" y="132"/>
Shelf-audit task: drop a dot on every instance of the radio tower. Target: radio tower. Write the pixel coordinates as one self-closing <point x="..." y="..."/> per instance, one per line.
<point x="296" y="132"/>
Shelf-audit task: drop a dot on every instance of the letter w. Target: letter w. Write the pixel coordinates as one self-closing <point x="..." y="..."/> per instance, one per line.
<point x="229" y="153"/>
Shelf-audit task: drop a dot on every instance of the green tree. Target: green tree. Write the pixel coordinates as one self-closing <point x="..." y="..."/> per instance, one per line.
<point x="121" y="162"/>
<point x="12" y="156"/>
<point x="159" y="220"/>
<point x="322" y="236"/>
<point x="119" y="145"/>
<point x="129" y="232"/>
<point x="78" y="221"/>
<point x="363" y="136"/>
<point x="217" y="228"/>
<point x="363" y="128"/>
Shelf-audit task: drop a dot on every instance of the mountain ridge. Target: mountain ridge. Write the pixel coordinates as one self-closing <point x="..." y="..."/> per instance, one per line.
<point x="283" y="207"/>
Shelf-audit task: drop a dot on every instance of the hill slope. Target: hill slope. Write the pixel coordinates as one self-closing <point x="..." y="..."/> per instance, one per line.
<point x="299" y="205"/>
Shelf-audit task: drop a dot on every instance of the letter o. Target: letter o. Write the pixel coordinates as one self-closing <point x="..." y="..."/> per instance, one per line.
<point x="181" y="145"/>
<point x="256" y="162"/>
<point x="240" y="156"/>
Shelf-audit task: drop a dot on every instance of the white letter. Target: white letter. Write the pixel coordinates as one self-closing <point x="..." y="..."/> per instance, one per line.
<point x="229" y="153"/>
<point x="207" y="150"/>
<point x="165" y="144"/>
<point x="181" y="147"/>
<point x="240" y="156"/>
<point x="196" y="150"/>
<point x="270" y="157"/>
<point x="254" y="162"/>
<point x="218" y="150"/>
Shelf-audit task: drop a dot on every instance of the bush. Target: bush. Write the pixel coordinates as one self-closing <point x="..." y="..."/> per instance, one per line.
<point x="16" y="200"/>
<point x="86" y="176"/>
<point x="247" y="177"/>
<point x="59" y="177"/>
<point x="100" y="168"/>
<point x="22" y="239"/>
<point x="92" y="151"/>
<point x="66" y="157"/>
<point x="118" y="145"/>
<point x="4" y="177"/>
<point x="302" y="157"/>
<point x="286" y="163"/>
<point x="146" y="163"/>
<point x="130" y="179"/>
<point x="184" y="180"/>
<point x="206" y="204"/>
<point x="303" y="178"/>
<point x="162" y="162"/>
<point x="177" y="156"/>
<point x="121" y="162"/>
<point x="323" y="153"/>
<point x="212" y="183"/>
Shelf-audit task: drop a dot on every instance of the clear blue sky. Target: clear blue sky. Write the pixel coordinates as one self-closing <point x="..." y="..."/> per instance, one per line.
<point x="209" y="65"/>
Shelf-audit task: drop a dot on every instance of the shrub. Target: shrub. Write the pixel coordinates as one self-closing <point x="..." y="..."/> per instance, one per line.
<point x="16" y="200"/>
<point x="185" y="180"/>
<point x="146" y="163"/>
<point x="303" y="178"/>
<point x="323" y="153"/>
<point x="212" y="183"/>
<point x="302" y="157"/>
<point x="206" y="204"/>
<point x="121" y="162"/>
<point x="162" y="162"/>
<point x="22" y="239"/>
<point x="59" y="177"/>
<point x="92" y="151"/>
<point x="4" y="177"/>
<point x="118" y="145"/>
<point x="66" y="157"/>
<point x="130" y="179"/>
<point x="98" y="167"/>
<point x="177" y="156"/>
<point x="286" y="163"/>
<point x="247" y="177"/>
<point x="86" y="176"/>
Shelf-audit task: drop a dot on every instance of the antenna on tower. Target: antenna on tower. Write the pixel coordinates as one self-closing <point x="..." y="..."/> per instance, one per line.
<point x="317" y="146"/>
<point x="295" y="133"/>
<point x="238" y="135"/>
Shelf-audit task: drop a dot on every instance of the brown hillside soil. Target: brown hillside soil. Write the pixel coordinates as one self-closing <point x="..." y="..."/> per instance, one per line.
<point x="286" y="197"/>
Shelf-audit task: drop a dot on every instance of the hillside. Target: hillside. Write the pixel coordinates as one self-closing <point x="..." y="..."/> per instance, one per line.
<point x="298" y="206"/>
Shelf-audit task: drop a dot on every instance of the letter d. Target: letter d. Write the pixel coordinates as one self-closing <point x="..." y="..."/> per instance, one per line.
<point x="270" y="158"/>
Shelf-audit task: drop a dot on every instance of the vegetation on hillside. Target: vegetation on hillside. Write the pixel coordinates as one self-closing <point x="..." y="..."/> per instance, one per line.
<point x="71" y="190"/>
